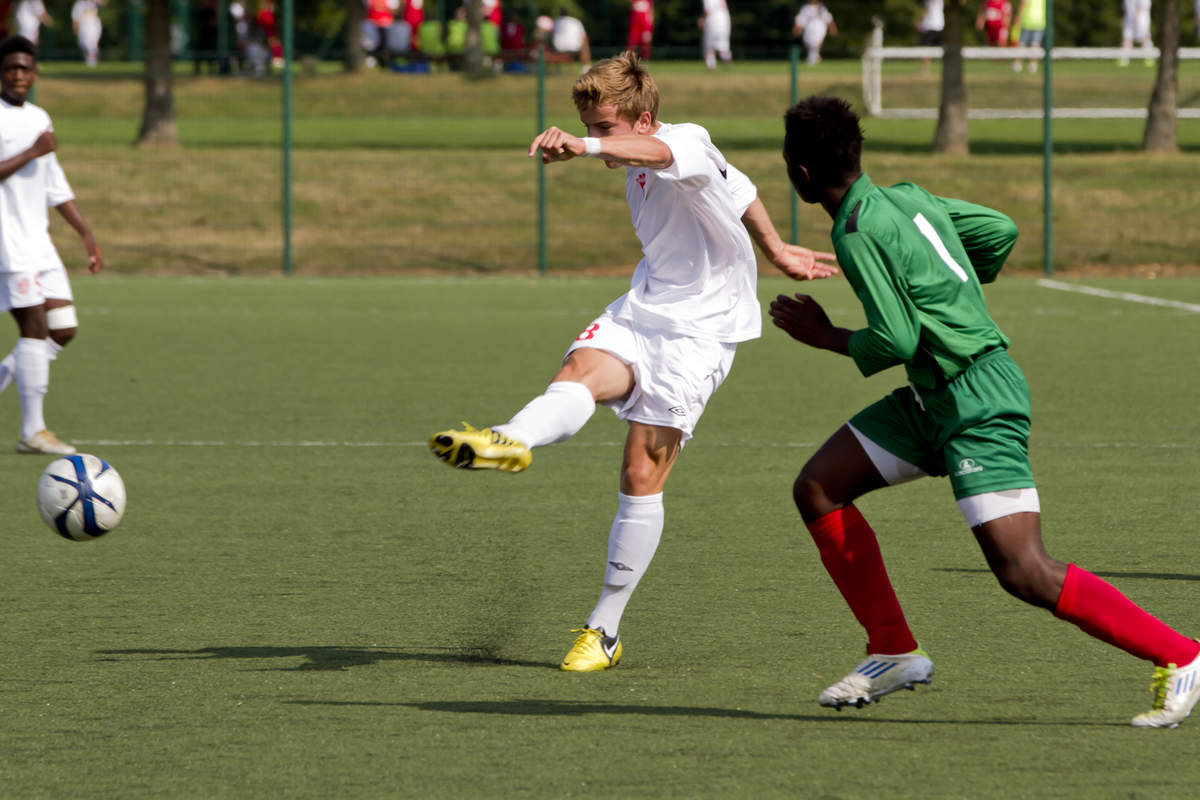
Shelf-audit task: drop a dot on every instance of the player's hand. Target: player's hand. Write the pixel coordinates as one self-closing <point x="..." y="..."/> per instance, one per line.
<point x="45" y="143"/>
<point x="801" y="264"/>
<point x="802" y="318"/>
<point x="95" y="257"/>
<point x="556" y="145"/>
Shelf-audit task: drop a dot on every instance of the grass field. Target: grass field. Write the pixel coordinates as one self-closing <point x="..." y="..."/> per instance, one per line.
<point x="403" y="173"/>
<point x="301" y="602"/>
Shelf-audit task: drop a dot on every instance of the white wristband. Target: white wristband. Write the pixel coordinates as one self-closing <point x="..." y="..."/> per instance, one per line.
<point x="591" y="146"/>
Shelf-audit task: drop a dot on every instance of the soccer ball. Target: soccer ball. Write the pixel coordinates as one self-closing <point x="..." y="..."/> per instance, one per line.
<point x="81" y="497"/>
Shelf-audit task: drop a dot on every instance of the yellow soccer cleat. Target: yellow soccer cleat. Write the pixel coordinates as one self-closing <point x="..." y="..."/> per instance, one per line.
<point x="592" y="651"/>
<point x="480" y="448"/>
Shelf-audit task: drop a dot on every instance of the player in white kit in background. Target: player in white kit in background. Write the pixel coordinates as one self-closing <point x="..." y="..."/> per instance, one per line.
<point x="716" y="27"/>
<point x="658" y="352"/>
<point x="34" y="286"/>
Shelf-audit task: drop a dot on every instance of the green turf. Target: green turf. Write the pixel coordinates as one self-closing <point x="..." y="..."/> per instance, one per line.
<point x="301" y="602"/>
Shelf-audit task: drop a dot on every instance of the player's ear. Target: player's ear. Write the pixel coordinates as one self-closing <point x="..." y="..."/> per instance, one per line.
<point x="644" y="123"/>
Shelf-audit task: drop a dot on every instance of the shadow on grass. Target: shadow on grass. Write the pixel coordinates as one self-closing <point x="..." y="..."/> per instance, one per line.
<point x="576" y="708"/>
<point x="328" y="657"/>
<point x="1159" y="576"/>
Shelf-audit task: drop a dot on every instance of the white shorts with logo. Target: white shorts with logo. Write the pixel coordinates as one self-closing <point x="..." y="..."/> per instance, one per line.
<point x="674" y="376"/>
<point x="26" y="289"/>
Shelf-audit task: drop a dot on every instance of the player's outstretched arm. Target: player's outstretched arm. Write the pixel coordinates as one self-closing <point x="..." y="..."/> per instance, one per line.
<point x="798" y="263"/>
<point x="802" y="318"/>
<point x="71" y="214"/>
<point x="44" y="144"/>
<point x="556" y="145"/>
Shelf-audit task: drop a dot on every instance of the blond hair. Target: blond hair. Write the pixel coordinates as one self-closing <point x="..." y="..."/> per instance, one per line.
<point x="620" y="81"/>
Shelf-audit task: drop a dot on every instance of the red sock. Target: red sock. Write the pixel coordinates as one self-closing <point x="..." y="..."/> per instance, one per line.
<point x="1099" y="609"/>
<point x="851" y="555"/>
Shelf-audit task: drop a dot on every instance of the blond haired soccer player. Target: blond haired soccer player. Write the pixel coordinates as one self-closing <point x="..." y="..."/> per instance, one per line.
<point x="33" y="281"/>
<point x="917" y="262"/>
<point x="658" y="352"/>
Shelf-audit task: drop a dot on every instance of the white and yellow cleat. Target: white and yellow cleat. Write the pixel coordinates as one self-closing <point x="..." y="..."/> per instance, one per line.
<point x="1176" y="690"/>
<point x="592" y="651"/>
<point x="876" y="676"/>
<point x="44" y="441"/>
<point x="480" y="448"/>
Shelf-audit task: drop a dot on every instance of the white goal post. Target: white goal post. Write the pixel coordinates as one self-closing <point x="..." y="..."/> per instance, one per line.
<point x="876" y="53"/>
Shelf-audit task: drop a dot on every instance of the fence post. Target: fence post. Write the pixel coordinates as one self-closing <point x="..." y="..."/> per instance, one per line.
<point x="541" y="168"/>
<point x="288" y="31"/>
<point x="1048" y="143"/>
<point x="794" y="95"/>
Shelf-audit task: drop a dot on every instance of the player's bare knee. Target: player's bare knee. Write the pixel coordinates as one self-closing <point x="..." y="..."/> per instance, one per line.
<point x="1032" y="580"/>
<point x="810" y="497"/>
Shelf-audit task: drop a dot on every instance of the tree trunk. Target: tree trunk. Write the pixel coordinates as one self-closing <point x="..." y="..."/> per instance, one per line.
<point x="356" y="59"/>
<point x="1161" y="119"/>
<point x="474" y="64"/>
<point x="951" y="134"/>
<point x="158" y="115"/>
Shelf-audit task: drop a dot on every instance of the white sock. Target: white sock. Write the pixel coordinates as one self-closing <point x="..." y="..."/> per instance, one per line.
<point x="634" y="537"/>
<point x="32" y="368"/>
<point x="554" y="416"/>
<point x="8" y="370"/>
<point x="53" y="348"/>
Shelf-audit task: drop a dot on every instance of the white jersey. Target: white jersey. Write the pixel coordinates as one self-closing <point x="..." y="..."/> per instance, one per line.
<point x="29" y="18"/>
<point x="698" y="276"/>
<point x="815" y="20"/>
<point x="1137" y="20"/>
<point x="85" y="14"/>
<point x="716" y="19"/>
<point x="933" y="18"/>
<point x="26" y="195"/>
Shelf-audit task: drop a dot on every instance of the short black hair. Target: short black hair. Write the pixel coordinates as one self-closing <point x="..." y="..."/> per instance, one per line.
<point x="823" y="135"/>
<point x="17" y="44"/>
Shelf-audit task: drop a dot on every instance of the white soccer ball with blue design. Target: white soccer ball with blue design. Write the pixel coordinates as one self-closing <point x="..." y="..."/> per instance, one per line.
<point x="81" y="497"/>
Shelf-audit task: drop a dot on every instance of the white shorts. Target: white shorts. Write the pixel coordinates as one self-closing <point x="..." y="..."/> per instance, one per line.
<point x="674" y="376"/>
<point x="26" y="289"/>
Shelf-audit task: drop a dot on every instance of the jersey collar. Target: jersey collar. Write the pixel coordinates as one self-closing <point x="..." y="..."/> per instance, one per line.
<point x="860" y="188"/>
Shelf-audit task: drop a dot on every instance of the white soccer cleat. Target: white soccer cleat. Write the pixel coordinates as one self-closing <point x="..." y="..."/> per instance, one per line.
<point x="44" y="441"/>
<point x="1176" y="690"/>
<point x="877" y="676"/>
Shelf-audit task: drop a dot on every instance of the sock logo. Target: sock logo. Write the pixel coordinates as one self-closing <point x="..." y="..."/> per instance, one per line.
<point x="617" y="565"/>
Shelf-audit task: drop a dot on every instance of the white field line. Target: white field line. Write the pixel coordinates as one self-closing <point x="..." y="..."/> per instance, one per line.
<point x="1129" y="296"/>
<point x="789" y="445"/>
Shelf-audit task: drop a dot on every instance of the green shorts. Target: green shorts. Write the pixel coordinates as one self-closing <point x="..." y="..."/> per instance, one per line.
<point x="976" y="429"/>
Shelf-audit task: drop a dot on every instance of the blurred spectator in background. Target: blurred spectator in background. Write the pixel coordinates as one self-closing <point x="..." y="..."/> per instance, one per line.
<point x="569" y="37"/>
<point x="6" y="9"/>
<point x="514" y="52"/>
<point x="811" y="25"/>
<point x="641" y="28"/>
<point x="715" y="26"/>
<point x="492" y="12"/>
<point x="929" y="28"/>
<point x="456" y="38"/>
<point x="378" y="21"/>
<point x="1135" y="27"/>
<point x="1031" y="22"/>
<point x="268" y="23"/>
<point x="414" y="15"/>
<point x="85" y="20"/>
<point x="31" y="16"/>
<point x="205" y="35"/>
<point x="241" y="33"/>
<point x="994" y="19"/>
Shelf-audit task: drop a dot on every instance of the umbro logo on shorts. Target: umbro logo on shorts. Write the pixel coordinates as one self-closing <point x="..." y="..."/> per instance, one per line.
<point x="678" y="411"/>
<point x="967" y="466"/>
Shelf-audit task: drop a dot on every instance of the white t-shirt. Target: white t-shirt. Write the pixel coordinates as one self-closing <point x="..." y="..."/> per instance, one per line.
<point x="26" y="195"/>
<point x="568" y="35"/>
<point x="86" y="14"/>
<point x="716" y="20"/>
<point x="698" y="275"/>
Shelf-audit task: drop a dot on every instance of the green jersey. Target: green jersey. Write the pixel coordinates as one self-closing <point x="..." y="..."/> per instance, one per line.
<point x="917" y="262"/>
